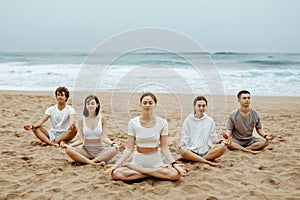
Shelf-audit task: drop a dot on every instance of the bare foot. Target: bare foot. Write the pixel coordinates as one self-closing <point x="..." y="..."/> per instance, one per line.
<point x="54" y="144"/>
<point x="63" y="145"/>
<point x="108" y="169"/>
<point x="213" y="164"/>
<point x="254" y="152"/>
<point x="183" y="170"/>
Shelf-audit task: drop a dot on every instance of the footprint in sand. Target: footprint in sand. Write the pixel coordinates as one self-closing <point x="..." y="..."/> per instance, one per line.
<point x="272" y="182"/>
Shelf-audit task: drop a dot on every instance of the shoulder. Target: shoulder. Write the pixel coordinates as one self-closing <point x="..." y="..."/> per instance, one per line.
<point x="70" y="110"/>
<point x="161" y="120"/>
<point x="254" y="112"/>
<point x="233" y="113"/>
<point x="102" y="119"/>
<point x="189" y="117"/>
<point x="134" y="120"/>
<point x="209" y="118"/>
<point x="51" y="109"/>
<point x="69" y="107"/>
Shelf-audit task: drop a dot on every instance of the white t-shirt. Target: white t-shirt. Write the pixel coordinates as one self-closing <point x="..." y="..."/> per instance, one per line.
<point x="60" y="121"/>
<point x="147" y="137"/>
<point x="198" y="134"/>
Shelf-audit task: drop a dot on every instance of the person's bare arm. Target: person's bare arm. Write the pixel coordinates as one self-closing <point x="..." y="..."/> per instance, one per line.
<point x="37" y="124"/>
<point x="263" y="134"/>
<point x="126" y="152"/>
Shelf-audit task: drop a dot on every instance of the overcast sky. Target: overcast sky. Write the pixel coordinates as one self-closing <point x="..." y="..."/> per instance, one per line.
<point x="218" y="25"/>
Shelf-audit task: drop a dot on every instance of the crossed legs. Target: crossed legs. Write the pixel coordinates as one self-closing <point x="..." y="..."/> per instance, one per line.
<point x="43" y="135"/>
<point x="75" y="154"/>
<point x="254" y="148"/>
<point x="215" y="152"/>
<point x="131" y="172"/>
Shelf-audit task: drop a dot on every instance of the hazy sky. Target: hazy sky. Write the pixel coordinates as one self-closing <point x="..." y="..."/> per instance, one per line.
<point x="218" y="25"/>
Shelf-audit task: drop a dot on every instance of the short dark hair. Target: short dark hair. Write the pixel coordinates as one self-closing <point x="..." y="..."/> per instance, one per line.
<point x="199" y="98"/>
<point x="242" y="92"/>
<point x="150" y="95"/>
<point x="61" y="90"/>
<point x="88" y="98"/>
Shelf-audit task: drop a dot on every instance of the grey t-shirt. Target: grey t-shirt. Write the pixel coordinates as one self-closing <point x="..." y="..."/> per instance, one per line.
<point x="242" y="127"/>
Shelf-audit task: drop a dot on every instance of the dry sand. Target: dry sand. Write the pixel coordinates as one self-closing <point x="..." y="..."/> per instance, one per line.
<point x="31" y="170"/>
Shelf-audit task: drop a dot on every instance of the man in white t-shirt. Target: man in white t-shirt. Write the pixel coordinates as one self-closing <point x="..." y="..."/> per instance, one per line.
<point x="62" y="118"/>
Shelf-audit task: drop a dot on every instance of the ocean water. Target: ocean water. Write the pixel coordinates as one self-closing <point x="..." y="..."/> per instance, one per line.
<point x="264" y="74"/>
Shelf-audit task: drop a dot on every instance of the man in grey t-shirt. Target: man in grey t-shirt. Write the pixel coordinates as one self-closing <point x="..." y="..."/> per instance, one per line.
<point x="240" y="126"/>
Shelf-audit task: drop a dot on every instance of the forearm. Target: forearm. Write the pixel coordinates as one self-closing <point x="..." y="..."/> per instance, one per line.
<point x="213" y="139"/>
<point x="38" y="123"/>
<point x="106" y="140"/>
<point x="167" y="154"/>
<point x="72" y="120"/>
<point x="125" y="155"/>
<point x="261" y="132"/>
<point x="77" y="143"/>
<point x="182" y="143"/>
<point x="227" y="134"/>
<point x="184" y="139"/>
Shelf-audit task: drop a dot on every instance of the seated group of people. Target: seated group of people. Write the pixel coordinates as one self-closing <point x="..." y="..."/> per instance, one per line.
<point x="147" y="136"/>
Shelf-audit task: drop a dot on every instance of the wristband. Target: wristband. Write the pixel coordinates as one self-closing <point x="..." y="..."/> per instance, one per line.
<point x="265" y="136"/>
<point x="220" y="142"/>
<point x="32" y="126"/>
<point x="112" y="171"/>
<point x="112" y="144"/>
<point x="173" y="163"/>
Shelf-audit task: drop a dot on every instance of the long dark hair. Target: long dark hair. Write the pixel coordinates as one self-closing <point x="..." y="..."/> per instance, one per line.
<point x="88" y="98"/>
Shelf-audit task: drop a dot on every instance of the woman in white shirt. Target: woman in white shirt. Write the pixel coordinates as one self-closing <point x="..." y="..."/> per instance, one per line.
<point x="199" y="140"/>
<point x="149" y="133"/>
<point x="96" y="147"/>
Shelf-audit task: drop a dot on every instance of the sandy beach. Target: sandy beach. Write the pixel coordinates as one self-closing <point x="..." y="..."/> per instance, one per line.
<point x="31" y="170"/>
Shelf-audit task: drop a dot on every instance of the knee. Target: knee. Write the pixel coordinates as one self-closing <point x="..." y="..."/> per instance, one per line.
<point x="69" y="150"/>
<point x="115" y="150"/>
<point x="224" y="147"/>
<point x="116" y="175"/>
<point x="221" y="145"/>
<point x="36" y="130"/>
<point x="182" y="150"/>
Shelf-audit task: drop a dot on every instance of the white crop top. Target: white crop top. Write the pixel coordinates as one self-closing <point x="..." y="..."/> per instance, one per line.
<point x="147" y="137"/>
<point x="92" y="134"/>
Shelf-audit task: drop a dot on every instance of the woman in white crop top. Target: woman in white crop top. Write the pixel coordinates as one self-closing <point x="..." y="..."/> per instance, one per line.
<point x="149" y="133"/>
<point x="96" y="147"/>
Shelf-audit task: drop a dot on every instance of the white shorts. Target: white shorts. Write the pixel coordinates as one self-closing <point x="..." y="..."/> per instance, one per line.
<point x="152" y="160"/>
<point x="55" y="135"/>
